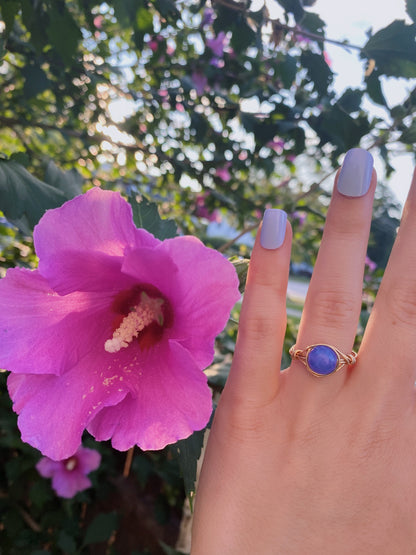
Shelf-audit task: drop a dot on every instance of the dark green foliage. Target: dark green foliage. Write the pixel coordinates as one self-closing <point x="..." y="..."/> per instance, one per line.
<point x="394" y="50"/>
<point x="23" y="197"/>
<point x="188" y="452"/>
<point x="146" y="215"/>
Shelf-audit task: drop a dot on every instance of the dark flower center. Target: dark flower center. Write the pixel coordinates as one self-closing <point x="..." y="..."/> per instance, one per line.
<point x="143" y="312"/>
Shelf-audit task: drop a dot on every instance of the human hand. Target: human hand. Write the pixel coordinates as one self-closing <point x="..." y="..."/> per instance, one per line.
<point x="297" y="464"/>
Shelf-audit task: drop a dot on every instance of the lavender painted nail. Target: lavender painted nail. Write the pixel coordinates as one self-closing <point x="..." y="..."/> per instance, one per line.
<point x="273" y="228"/>
<point x="355" y="175"/>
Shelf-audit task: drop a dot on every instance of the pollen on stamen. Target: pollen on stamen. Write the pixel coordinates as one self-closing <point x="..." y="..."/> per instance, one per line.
<point x="71" y="463"/>
<point x="147" y="311"/>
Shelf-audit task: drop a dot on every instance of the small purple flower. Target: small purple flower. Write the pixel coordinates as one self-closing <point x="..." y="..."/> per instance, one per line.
<point x="201" y="210"/>
<point x="223" y="172"/>
<point x="217" y="62"/>
<point x="370" y="264"/>
<point x="207" y="17"/>
<point x="200" y="82"/>
<point x="153" y="45"/>
<point x="277" y="145"/>
<point x="69" y="476"/>
<point x="218" y="43"/>
<point x="112" y="331"/>
<point x="300" y="217"/>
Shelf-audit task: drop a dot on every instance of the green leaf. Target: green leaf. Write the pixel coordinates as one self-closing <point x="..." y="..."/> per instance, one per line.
<point x="146" y="216"/>
<point x="64" y="34"/>
<point x="144" y="20"/>
<point x="188" y="452"/>
<point x="218" y="372"/>
<point x="9" y="10"/>
<point x="394" y="50"/>
<point x="101" y="528"/>
<point x="241" y="267"/>
<point x="36" y="81"/>
<point x="313" y="23"/>
<point x="293" y="6"/>
<point x="411" y="8"/>
<point x="126" y="10"/>
<point x="23" y="197"/>
<point x="350" y="101"/>
<point x="318" y="71"/>
<point x="167" y="9"/>
<point x="286" y="69"/>
<point x="21" y="158"/>
<point x="409" y="134"/>
<point x="374" y="89"/>
<point x="67" y="543"/>
<point x="335" y="126"/>
<point x="243" y="35"/>
<point x="69" y="182"/>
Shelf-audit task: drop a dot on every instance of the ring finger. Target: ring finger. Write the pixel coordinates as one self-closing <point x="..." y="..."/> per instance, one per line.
<point x="332" y="306"/>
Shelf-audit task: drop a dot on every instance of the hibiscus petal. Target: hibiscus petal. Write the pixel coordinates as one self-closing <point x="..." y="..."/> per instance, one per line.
<point x="87" y="271"/>
<point x="203" y="295"/>
<point x="152" y="266"/>
<point x="42" y="332"/>
<point x="67" y="484"/>
<point x="93" y="224"/>
<point x="88" y="459"/>
<point x="54" y="410"/>
<point x="169" y="400"/>
<point x="47" y="467"/>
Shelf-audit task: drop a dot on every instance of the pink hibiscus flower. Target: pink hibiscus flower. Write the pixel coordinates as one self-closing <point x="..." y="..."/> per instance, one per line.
<point x="70" y="475"/>
<point x="112" y="331"/>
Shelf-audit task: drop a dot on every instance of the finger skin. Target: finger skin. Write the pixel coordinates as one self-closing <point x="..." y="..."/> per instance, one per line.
<point x="333" y="302"/>
<point x="254" y="376"/>
<point x="390" y="337"/>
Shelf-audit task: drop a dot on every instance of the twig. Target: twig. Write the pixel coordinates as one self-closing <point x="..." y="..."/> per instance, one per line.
<point x="320" y="38"/>
<point x="127" y="464"/>
<point x="228" y="244"/>
<point x="29" y="520"/>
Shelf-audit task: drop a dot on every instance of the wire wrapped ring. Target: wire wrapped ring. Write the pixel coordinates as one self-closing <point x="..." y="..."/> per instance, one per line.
<point x="322" y="360"/>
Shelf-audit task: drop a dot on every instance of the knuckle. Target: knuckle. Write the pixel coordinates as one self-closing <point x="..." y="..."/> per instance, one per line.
<point x="334" y="308"/>
<point x="261" y="319"/>
<point x="257" y="328"/>
<point x="345" y="226"/>
<point x="241" y="418"/>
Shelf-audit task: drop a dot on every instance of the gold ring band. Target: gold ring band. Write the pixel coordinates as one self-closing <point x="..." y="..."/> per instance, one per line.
<point x="322" y="360"/>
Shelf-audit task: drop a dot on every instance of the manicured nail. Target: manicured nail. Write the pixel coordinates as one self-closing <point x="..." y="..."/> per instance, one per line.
<point x="273" y="228"/>
<point x="355" y="175"/>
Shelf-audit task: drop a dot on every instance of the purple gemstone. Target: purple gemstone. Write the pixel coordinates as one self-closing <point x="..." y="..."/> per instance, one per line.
<point x="322" y="360"/>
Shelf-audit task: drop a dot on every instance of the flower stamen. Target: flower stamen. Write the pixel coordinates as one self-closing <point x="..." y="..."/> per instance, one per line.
<point x="147" y="311"/>
<point x="71" y="464"/>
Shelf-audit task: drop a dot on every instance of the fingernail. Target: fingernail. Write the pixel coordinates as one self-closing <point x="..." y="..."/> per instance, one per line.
<point x="273" y="228"/>
<point x="355" y="175"/>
